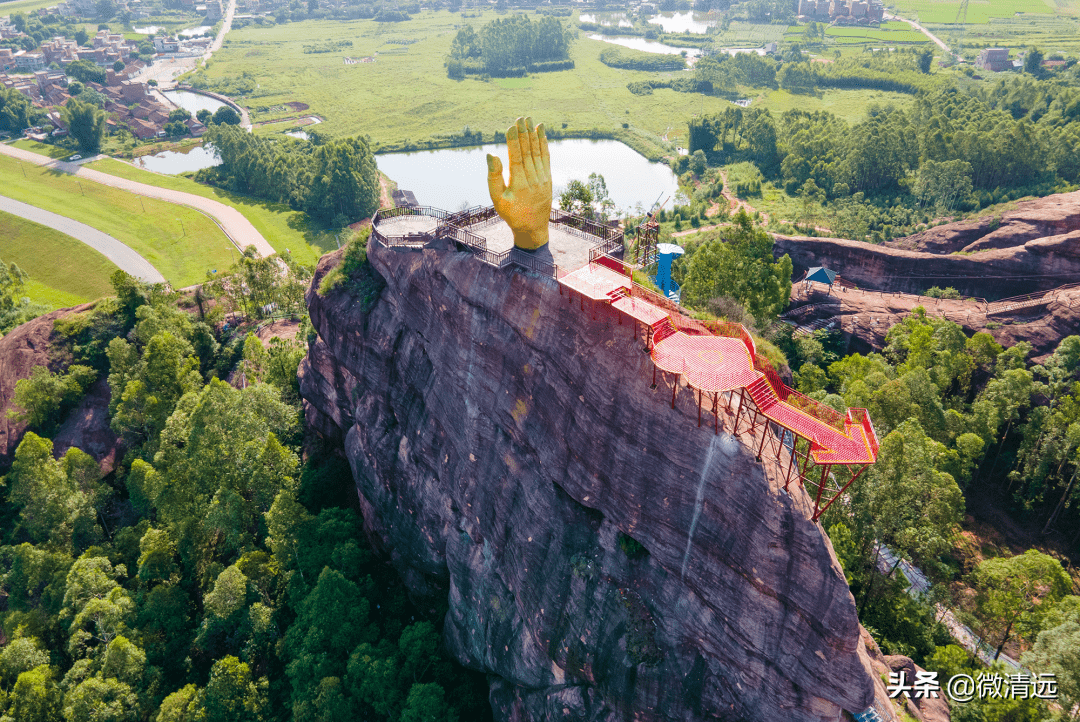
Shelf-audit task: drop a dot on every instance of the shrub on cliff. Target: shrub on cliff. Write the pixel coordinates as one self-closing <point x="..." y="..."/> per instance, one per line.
<point x="355" y="273"/>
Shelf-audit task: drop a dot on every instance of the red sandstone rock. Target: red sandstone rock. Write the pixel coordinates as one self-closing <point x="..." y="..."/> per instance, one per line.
<point x="1050" y="216"/>
<point x="502" y="441"/>
<point x="23" y="348"/>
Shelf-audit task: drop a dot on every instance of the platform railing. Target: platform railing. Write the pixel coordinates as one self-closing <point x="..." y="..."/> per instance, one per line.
<point x="539" y="265"/>
<point x="860" y="416"/>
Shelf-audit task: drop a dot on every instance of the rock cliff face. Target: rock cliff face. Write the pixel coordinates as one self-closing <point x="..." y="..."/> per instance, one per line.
<point x="1033" y="265"/>
<point x="23" y="348"/>
<point x="1034" y="247"/>
<point x="1054" y="215"/>
<point x="510" y="456"/>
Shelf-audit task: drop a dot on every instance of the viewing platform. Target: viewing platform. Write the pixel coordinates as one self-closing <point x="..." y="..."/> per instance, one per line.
<point x="719" y="360"/>
<point x="573" y="241"/>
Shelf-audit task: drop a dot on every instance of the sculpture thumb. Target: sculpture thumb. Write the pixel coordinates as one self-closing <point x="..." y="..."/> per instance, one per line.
<point x="496" y="184"/>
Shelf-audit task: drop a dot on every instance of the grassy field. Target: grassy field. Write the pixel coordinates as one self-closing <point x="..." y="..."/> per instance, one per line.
<point x="180" y="242"/>
<point x="405" y="96"/>
<point x="43" y="149"/>
<point x="850" y="104"/>
<point x="894" y="33"/>
<point x="1049" y="33"/>
<point x="944" y="11"/>
<point x="748" y="35"/>
<point x="280" y="225"/>
<point x="24" y="6"/>
<point x="63" y="271"/>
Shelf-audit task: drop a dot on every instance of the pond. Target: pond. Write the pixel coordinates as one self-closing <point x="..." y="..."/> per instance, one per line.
<point x="172" y="162"/>
<point x="685" y="22"/>
<point x="457" y="177"/>
<point x="649" y="46"/>
<point x="201" y="30"/>
<point x="149" y="30"/>
<point x="619" y="19"/>
<point x="193" y="102"/>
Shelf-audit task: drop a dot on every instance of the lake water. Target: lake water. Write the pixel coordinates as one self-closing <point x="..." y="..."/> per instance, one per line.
<point x="193" y="102"/>
<point x="618" y="19"/>
<point x="649" y="46"/>
<point x="457" y="177"/>
<point x="148" y="30"/>
<point x="195" y="31"/>
<point x="685" y="22"/>
<point x="173" y="162"/>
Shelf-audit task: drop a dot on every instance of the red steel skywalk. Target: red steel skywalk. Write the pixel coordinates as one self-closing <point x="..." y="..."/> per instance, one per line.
<point x="721" y="359"/>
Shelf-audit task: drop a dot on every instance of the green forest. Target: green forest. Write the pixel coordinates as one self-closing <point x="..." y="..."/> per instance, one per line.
<point x="511" y="47"/>
<point x="951" y="151"/>
<point x="220" y="572"/>
<point x="334" y="181"/>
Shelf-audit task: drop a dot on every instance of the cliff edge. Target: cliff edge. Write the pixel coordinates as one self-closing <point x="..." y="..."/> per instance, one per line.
<point x="603" y="557"/>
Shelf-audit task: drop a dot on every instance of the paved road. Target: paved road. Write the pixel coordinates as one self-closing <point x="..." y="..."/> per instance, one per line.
<point x="123" y="256"/>
<point x="921" y="29"/>
<point x="236" y="226"/>
<point x="920" y="585"/>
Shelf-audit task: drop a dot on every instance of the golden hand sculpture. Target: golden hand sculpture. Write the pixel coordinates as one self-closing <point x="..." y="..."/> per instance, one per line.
<point x="525" y="204"/>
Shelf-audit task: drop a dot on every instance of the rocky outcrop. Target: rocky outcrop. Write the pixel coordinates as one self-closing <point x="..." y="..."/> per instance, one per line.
<point x="1033" y="265"/>
<point x="1054" y="215"/>
<point x="23" y="348"/>
<point x="603" y="557"/>
<point x="87" y="428"/>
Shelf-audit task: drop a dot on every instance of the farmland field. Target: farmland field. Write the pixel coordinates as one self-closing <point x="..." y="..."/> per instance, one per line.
<point x="1050" y="33"/>
<point x="748" y="35"/>
<point x="944" y="11"/>
<point x="405" y="97"/>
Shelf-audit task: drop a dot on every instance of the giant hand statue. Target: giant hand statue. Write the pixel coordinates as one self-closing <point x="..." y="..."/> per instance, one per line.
<point x="525" y="204"/>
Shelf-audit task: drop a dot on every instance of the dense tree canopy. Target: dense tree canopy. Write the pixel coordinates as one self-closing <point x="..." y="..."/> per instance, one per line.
<point x="511" y="46"/>
<point x="332" y="180"/>
<point x="215" y="576"/>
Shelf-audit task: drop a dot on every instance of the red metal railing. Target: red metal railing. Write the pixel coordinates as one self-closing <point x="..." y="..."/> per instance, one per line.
<point x="860" y="416"/>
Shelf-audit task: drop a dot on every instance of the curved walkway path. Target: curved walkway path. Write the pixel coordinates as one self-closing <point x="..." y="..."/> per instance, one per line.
<point x="123" y="256"/>
<point x="232" y="222"/>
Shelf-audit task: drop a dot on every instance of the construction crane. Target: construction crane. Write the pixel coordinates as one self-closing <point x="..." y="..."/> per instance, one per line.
<point x="961" y="18"/>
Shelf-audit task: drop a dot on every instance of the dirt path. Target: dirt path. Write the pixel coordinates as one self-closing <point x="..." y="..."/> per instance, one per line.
<point x="734" y="204"/>
<point x="231" y="221"/>
<point x="125" y="258"/>
<point x="921" y="29"/>
<point x="385" y="199"/>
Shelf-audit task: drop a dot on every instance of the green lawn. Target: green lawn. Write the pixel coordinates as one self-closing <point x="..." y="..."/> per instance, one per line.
<point x="280" y="225"/>
<point x="180" y="242"/>
<point x="406" y="97"/>
<point x="63" y="271"/>
<point x="43" y="149"/>
<point x="24" y="6"/>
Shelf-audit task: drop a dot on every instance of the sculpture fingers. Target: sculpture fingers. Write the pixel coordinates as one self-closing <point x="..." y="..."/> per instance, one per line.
<point x="544" y="164"/>
<point x="496" y="184"/>
<point x="526" y="151"/>
<point x="513" y="146"/>
<point x="534" y="152"/>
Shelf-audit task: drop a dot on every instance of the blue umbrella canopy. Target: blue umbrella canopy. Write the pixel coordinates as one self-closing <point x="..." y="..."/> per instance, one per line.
<point x="821" y="275"/>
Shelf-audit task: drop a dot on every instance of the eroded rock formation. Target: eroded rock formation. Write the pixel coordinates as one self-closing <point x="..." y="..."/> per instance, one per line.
<point x="29" y="345"/>
<point x="510" y="456"/>
<point x="1034" y="247"/>
<point x="1034" y="265"/>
